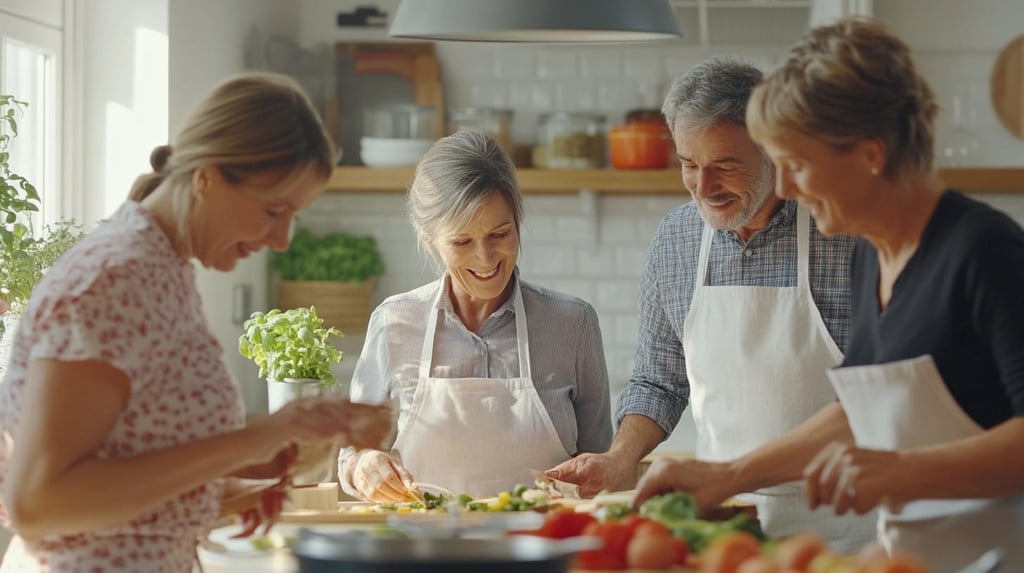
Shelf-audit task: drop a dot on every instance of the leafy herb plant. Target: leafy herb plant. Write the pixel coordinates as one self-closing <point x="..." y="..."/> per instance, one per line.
<point x="291" y="344"/>
<point x="336" y="257"/>
<point x="23" y="257"/>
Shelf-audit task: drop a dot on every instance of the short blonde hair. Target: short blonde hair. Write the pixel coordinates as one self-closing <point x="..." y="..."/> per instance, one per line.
<point x="846" y="82"/>
<point x="252" y="123"/>
<point x="454" y="178"/>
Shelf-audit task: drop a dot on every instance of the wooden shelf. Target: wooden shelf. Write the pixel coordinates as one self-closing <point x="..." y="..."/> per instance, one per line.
<point x="633" y="182"/>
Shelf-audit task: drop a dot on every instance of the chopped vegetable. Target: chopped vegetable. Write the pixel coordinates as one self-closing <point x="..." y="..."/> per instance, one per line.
<point x="670" y="508"/>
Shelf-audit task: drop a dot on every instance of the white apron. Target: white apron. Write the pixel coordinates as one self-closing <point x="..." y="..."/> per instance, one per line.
<point x="756" y="359"/>
<point x="904" y="405"/>
<point x="479" y="436"/>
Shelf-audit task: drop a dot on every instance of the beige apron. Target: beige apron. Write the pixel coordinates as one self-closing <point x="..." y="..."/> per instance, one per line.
<point x="478" y="436"/>
<point x="757" y="358"/>
<point x="904" y="405"/>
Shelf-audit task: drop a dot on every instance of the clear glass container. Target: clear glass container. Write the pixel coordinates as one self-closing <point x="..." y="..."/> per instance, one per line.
<point x="494" y="122"/>
<point x="571" y="140"/>
<point x="960" y="147"/>
<point x="401" y="121"/>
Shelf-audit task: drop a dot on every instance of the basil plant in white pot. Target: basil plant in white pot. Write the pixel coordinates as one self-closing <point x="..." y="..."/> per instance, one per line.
<point x="294" y="352"/>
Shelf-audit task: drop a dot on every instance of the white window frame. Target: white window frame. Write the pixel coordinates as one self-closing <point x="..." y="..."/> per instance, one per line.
<point x="48" y="26"/>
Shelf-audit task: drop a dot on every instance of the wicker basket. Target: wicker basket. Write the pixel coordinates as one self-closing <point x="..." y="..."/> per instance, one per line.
<point x="345" y="306"/>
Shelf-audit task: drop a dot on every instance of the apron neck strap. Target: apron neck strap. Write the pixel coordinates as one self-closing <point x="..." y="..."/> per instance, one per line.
<point x="803" y="241"/>
<point x="706" y="239"/>
<point x="522" y="336"/>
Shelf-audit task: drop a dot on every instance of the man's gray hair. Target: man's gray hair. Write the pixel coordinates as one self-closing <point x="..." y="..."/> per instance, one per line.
<point x="712" y="92"/>
<point x="454" y="178"/>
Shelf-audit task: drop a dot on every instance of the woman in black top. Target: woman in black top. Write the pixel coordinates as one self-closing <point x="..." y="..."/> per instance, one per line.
<point x="930" y="420"/>
<point x="932" y="385"/>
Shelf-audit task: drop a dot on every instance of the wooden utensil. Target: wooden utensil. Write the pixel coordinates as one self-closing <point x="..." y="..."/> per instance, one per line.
<point x="1008" y="86"/>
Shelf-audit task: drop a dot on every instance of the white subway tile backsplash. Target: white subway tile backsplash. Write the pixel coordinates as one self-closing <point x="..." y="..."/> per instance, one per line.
<point x="493" y="94"/>
<point x="538" y="229"/>
<point x="583" y="289"/>
<point x="620" y="366"/>
<point x="617" y="295"/>
<point x="601" y="64"/>
<point x="467" y="63"/>
<point x="557" y="64"/>
<point x="580" y="95"/>
<point x="642" y="64"/>
<point x="625" y="330"/>
<point x="595" y="263"/>
<point x="617" y="230"/>
<point x="552" y="261"/>
<point x="629" y="261"/>
<point x="516" y="63"/>
<point x="576" y="230"/>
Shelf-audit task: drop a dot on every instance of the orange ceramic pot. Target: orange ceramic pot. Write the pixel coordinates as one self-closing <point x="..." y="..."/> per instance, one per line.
<point x="640" y="145"/>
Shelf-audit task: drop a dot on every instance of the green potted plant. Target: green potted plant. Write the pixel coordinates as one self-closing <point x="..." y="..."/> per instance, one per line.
<point x="24" y="257"/>
<point x="335" y="273"/>
<point x="294" y="352"/>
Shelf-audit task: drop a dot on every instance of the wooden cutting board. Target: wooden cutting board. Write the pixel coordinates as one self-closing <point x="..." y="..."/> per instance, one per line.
<point x="1008" y="86"/>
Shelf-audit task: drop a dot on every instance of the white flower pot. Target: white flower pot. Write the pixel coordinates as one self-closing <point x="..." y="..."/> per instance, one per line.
<point x="280" y="393"/>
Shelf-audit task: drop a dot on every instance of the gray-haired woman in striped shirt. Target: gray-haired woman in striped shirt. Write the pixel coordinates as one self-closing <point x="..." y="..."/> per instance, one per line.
<point x="492" y="376"/>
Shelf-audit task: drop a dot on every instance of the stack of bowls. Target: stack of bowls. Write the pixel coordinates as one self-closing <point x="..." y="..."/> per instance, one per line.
<point x="397" y="135"/>
<point x="392" y="152"/>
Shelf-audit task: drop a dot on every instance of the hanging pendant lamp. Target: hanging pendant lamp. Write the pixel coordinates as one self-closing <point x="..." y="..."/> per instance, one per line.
<point x="554" y="21"/>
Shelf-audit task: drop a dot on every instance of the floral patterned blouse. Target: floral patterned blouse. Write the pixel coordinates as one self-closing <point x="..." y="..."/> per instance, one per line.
<point x="123" y="296"/>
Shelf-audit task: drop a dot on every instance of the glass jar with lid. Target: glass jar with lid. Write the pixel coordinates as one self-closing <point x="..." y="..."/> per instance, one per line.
<point x="494" y="122"/>
<point x="572" y="140"/>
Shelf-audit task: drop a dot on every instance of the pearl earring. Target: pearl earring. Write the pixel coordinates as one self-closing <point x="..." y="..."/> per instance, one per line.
<point x="874" y="171"/>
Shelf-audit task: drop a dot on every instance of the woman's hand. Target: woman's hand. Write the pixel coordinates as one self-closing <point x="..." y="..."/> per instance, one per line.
<point x="380" y="478"/>
<point x="254" y="506"/>
<point x="324" y="418"/>
<point x="710" y="483"/>
<point x="851" y="478"/>
<point x="275" y="468"/>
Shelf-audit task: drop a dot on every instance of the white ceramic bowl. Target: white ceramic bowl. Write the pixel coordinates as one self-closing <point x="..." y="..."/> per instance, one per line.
<point x="389" y="152"/>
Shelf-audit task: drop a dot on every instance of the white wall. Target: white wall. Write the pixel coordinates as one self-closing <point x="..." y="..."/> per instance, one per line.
<point x="207" y="43"/>
<point x="955" y="45"/>
<point x="125" y="97"/>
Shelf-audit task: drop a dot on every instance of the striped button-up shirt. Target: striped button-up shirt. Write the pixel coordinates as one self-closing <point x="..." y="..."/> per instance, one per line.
<point x="658" y="387"/>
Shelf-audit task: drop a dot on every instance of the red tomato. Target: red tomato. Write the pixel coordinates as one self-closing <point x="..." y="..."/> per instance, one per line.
<point x="650" y="527"/>
<point x="565" y="523"/>
<point x="727" y="553"/>
<point x="798" y="551"/>
<point x="649" y="549"/>
<point x="680" y="552"/>
<point x="758" y="564"/>
<point x="631" y="522"/>
<point x="613" y="555"/>
<point x="900" y="563"/>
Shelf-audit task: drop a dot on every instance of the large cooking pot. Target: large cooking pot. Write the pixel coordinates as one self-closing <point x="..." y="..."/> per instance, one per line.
<point x="360" y="553"/>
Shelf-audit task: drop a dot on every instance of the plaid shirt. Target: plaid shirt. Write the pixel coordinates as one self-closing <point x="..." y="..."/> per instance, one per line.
<point x="658" y="387"/>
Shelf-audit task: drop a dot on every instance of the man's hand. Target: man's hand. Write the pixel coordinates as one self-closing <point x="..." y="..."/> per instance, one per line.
<point x="593" y="473"/>
<point x="709" y="483"/>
